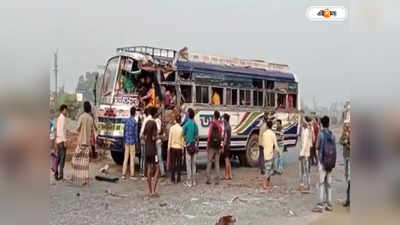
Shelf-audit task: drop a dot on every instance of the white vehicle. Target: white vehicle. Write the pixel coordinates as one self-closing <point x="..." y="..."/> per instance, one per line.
<point x="246" y="89"/>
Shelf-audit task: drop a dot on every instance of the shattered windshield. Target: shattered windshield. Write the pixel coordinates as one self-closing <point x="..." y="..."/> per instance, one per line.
<point x="109" y="79"/>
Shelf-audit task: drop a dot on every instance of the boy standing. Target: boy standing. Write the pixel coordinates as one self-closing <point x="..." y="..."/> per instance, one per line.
<point x="130" y="140"/>
<point x="270" y="146"/>
<point x="326" y="146"/>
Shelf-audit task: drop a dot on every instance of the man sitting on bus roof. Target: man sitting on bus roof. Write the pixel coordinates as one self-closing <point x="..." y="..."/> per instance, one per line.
<point x="216" y="99"/>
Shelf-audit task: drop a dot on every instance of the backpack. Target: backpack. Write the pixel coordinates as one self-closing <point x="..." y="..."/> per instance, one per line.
<point x="329" y="151"/>
<point x="216" y="137"/>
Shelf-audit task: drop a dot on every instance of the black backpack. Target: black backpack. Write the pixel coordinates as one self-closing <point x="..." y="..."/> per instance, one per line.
<point x="216" y="137"/>
<point x="329" y="151"/>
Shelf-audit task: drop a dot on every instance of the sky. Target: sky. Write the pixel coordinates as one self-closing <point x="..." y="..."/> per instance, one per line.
<point x="86" y="34"/>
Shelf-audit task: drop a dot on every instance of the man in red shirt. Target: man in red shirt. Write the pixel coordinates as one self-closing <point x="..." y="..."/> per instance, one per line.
<point x="214" y="146"/>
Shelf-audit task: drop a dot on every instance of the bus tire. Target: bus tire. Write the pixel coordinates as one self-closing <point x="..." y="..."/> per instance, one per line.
<point x="252" y="151"/>
<point x="118" y="157"/>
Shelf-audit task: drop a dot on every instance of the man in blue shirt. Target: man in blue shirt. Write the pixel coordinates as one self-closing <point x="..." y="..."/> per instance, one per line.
<point x="130" y="140"/>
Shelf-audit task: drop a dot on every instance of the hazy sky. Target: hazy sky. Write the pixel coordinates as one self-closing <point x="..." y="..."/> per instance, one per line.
<point x="86" y="34"/>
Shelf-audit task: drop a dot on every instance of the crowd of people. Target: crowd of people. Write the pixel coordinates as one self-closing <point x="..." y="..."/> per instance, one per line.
<point x="317" y="148"/>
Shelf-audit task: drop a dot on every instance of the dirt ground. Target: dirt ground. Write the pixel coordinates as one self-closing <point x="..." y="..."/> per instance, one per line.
<point x="125" y="202"/>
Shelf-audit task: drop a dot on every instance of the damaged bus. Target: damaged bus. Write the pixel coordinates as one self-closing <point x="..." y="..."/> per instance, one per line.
<point x="245" y="89"/>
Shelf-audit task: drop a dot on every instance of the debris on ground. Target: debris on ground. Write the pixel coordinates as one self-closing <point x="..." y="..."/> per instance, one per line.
<point x="111" y="179"/>
<point x="226" y="220"/>
<point x="104" y="169"/>
<point x="115" y="194"/>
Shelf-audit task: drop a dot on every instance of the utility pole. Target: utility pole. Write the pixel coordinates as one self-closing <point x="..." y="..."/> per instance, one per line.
<point x="56" y="76"/>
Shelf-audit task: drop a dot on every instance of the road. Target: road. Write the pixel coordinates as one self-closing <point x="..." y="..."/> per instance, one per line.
<point x="125" y="202"/>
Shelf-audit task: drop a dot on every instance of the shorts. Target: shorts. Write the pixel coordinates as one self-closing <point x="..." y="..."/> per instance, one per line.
<point x="269" y="170"/>
<point x="151" y="159"/>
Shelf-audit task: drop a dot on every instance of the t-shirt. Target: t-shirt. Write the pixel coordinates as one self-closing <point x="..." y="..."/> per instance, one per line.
<point x="61" y="129"/>
<point x="150" y="133"/>
<point x="228" y="134"/>
<point x="269" y="142"/>
<point x="191" y="130"/>
<point x="85" y="127"/>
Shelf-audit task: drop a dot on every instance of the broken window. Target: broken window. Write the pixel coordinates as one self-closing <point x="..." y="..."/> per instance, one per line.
<point x="258" y="98"/>
<point x="257" y="83"/>
<point x="282" y="101"/>
<point x="186" y="91"/>
<point x="169" y="96"/>
<point x="202" y="94"/>
<point x="217" y="96"/>
<point x="270" y="85"/>
<point x="168" y="76"/>
<point x="292" y="100"/>
<point x="270" y="99"/>
<point x="185" y="75"/>
<point x="245" y="96"/>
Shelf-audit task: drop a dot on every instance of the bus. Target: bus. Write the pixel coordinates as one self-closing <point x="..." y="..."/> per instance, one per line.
<point x="246" y="89"/>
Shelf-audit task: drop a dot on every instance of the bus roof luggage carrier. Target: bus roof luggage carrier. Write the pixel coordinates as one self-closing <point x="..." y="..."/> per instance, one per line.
<point x="170" y="54"/>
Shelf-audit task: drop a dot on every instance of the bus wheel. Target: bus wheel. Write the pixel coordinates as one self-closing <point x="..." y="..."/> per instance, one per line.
<point x="118" y="157"/>
<point x="252" y="151"/>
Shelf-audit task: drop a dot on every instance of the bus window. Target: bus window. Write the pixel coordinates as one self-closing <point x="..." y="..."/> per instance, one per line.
<point x="234" y="97"/>
<point x="245" y="96"/>
<point x="229" y="96"/>
<point x="270" y="85"/>
<point x="216" y="97"/>
<point x="169" y="96"/>
<point x="108" y="81"/>
<point x="202" y="94"/>
<point x="292" y="101"/>
<point x="169" y="76"/>
<point x="185" y="75"/>
<point x="258" y="98"/>
<point x="257" y="83"/>
<point x="186" y="91"/>
<point x="271" y="99"/>
<point x="282" y="101"/>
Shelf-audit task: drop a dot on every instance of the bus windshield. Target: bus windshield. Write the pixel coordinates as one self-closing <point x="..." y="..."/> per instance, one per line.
<point x="110" y="75"/>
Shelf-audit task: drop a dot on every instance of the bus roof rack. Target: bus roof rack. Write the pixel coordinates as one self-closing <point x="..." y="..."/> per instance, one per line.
<point x="151" y="51"/>
<point x="169" y="54"/>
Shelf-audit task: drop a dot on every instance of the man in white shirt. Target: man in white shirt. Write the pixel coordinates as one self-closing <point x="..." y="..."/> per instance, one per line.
<point x="304" y="155"/>
<point x="61" y="139"/>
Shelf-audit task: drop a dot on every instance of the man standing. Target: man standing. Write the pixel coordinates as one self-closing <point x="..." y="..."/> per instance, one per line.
<point x="80" y="160"/>
<point x="270" y="146"/>
<point x="150" y="137"/>
<point x="130" y="140"/>
<point x="147" y="117"/>
<point x="345" y="141"/>
<point x="313" y="153"/>
<point x="227" y="146"/>
<point x="263" y="128"/>
<point x="175" y="149"/>
<point x="214" y="146"/>
<point x="278" y="161"/>
<point x="159" y="144"/>
<point x="304" y="154"/>
<point x="326" y="146"/>
<point x="61" y="139"/>
<point x="191" y="132"/>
